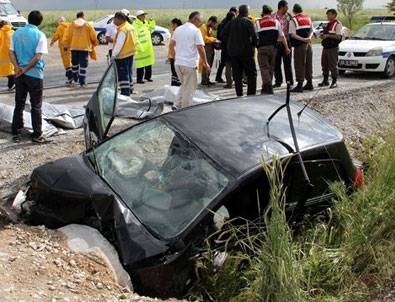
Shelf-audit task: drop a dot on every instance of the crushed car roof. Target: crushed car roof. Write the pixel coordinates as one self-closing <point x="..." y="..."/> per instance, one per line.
<point x="234" y="132"/>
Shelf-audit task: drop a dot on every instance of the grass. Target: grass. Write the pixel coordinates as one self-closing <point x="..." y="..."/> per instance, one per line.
<point x="163" y="16"/>
<point x="344" y="256"/>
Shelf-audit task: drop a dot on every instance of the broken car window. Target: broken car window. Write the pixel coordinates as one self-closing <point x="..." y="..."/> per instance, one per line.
<point x="164" y="179"/>
<point x="106" y="97"/>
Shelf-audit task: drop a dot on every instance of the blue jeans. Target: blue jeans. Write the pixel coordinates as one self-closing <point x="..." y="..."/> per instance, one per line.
<point x="79" y="60"/>
<point x="125" y="70"/>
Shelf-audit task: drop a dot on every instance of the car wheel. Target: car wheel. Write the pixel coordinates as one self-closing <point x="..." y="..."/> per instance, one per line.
<point x="389" y="71"/>
<point x="102" y="38"/>
<point x="342" y="72"/>
<point x="157" y="39"/>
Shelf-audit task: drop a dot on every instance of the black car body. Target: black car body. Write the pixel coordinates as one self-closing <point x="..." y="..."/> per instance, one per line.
<point x="152" y="189"/>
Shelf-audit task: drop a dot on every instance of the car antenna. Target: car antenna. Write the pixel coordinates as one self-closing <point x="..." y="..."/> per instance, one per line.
<point x="308" y="184"/>
<point x="307" y="104"/>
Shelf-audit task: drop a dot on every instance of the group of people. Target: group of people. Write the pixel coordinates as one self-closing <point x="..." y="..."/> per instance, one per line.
<point x="243" y="39"/>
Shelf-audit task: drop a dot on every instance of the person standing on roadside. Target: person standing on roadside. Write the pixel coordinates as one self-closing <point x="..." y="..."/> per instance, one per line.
<point x="175" y="81"/>
<point x="269" y="32"/>
<point x="187" y="43"/>
<point x="65" y="54"/>
<point x="282" y="56"/>
<point x="6" y="68"/>
<point x="27" y="48"/>
<point x="331" y="38"/>
<point x="225" y="61"/>
<point x="241" y="42"/>
<point x="145" y="56"/>
<point x="81" y="39"/>
<point x="123" y="52"/>
<point x="301" y="32"/>
<point x="111" y="32"/>
<point x="209" y="41"/>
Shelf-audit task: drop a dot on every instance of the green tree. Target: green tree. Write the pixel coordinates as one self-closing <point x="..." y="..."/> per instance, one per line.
<point x="350" y="8"/>
<point x="391" y="6"/>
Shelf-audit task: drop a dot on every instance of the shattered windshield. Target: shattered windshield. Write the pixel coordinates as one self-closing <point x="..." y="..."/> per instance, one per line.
<point x="164" y="179"/>
<point x="375" y="32"/>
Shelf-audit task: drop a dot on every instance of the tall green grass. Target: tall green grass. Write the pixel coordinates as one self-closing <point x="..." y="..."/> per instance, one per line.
<point x="163" y="16"/>
<point x="342" y="256"/>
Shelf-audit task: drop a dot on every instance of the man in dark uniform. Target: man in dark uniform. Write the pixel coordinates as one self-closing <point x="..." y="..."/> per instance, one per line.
<point x="331" y="38"/>
<point x="241" y="42"/>
<point x="269" y="32"/>
<point x="301" y="32"/>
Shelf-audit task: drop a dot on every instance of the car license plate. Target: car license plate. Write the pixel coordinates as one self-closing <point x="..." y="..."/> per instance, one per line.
<point x="348" y="63"/>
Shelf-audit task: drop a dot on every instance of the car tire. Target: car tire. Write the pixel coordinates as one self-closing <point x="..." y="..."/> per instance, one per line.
<point x="342" y="72"/>
<point x="389" y="71"/>
<point x="157" y="39"/>
<point x="102" y="38"/>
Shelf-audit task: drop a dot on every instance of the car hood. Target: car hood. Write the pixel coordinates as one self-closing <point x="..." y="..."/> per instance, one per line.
<point x="363" y="45"/>
<point x="160" y="28"/>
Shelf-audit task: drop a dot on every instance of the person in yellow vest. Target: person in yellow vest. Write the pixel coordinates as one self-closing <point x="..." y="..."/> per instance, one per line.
<point x="145" y="56"/>
<point x="65" y="54"/>
<point x="123" y="52"/>
<point x="6" y="66"/>
<point x="80" y="39"/>
<point x="209" y="41"/>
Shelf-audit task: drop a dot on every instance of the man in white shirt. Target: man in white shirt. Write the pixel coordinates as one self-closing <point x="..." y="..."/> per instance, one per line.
<point x="187" y="43"/>
<point x="111" y="32"/>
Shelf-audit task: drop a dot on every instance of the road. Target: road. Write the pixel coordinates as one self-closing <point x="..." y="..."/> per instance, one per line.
<point x="56" y="92"/>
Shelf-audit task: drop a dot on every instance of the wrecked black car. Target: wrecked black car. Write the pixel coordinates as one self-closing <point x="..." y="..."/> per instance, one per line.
<point x="153" y="189"/>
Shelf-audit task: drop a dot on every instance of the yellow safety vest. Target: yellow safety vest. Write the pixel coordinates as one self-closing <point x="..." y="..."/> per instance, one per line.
<point x="6" y="67"/>
<point x="129" y="47"/>
<point x="145" y="55"/>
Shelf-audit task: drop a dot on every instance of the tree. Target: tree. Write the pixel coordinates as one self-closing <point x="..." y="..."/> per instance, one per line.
<point x="350" y="8"/>
<point x="391" y="6"/>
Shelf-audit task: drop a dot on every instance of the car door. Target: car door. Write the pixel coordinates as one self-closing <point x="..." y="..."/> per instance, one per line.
<point x="100" y="111"/>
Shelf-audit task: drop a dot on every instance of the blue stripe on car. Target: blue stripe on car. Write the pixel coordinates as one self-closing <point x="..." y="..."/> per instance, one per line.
<point x="388" y="53"/>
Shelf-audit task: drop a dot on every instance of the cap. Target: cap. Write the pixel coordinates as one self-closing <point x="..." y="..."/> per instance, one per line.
<point x="297" y="8"/>
<point x="140" y="13"/>
<point x="125" y="12"/>
<point x="266" y="10"/>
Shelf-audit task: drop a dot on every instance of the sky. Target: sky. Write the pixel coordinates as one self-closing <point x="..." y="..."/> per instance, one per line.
<point x="143" y="4"/>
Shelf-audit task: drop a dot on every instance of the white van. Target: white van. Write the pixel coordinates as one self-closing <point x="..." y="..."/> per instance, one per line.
<point x="9" y="13"/>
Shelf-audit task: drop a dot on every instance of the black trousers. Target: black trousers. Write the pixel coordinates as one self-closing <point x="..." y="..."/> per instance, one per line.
<point x="282" y="57"/>
<point x="175" y="81"/>
<point x="245" y="65"/>
<point x="34" y="87"/>
<point x="11" y="81"/>
<point x="144" y="72"/>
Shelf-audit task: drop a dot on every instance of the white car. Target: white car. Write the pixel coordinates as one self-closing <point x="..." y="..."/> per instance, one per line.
<point x="370" y="49"/>
<point x="318" y="27"/>
<point x="9" y="13"/>
<point x="159" y="36"/>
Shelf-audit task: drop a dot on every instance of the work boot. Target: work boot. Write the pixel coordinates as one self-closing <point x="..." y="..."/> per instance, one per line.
<point x="334" y="84"/>
<point x="324" y="82"/>
<point x="298" y="88"/>
<point x="308" y="86"/>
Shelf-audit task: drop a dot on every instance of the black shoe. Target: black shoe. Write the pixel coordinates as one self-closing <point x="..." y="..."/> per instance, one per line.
<point x="324" y="83"/>
<point x="150" y="80"/>
<point x="308" y="86"/>
<point x="277" y="85"/>
<point x="220" y="81"/>
<point x="140" y="82"/>
<point x="16" y="138"/>
<point x="40" y="140"/>
<point x="298" y="88"/>
<point x="333" y="85"/>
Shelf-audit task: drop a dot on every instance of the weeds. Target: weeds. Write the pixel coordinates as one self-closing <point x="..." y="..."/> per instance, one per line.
<point x="340" y="257"/>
